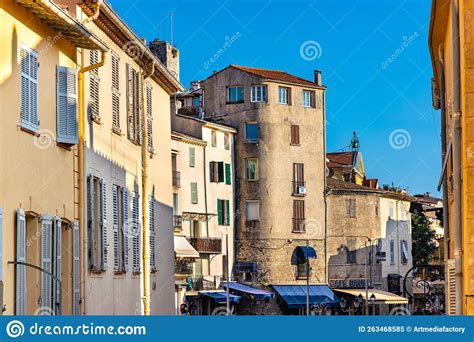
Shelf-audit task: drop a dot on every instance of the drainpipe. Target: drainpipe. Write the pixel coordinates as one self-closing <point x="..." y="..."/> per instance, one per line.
<point x="146" y="240"/>
<point x="457" y="158"/>
<point x="442" y="97"/>
<point x="325" y="193"/>
<point x="81" y="126"/>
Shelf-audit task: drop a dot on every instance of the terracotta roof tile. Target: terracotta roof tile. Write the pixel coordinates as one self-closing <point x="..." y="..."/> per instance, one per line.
<point x="339" y="159"/>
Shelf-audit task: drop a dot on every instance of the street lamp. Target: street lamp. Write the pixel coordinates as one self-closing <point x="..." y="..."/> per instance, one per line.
<point x="372" y="301"/>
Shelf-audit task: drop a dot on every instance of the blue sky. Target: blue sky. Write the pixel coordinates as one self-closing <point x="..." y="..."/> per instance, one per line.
<point x="373" y="54"/>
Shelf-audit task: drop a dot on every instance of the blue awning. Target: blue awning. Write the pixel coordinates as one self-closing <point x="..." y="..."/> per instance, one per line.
<point x="303" y="252"/>
<point x="258" y="293"/>
<point x="221" y="297"/>
<point x="295" y="295"/>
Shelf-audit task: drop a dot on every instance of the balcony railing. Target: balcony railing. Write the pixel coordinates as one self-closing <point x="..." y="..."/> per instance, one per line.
<point x="299" y="188"/>
<point x="298" y="225"/>
<point x="201" y="284"/>
<point x="176" y="179"/>
<point x="177" y="221"/>
<point x="206" y="245"/>
<point x="185" y="268"/>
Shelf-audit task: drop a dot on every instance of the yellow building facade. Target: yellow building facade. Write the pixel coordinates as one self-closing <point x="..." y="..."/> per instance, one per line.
<point x="451" y="43"/>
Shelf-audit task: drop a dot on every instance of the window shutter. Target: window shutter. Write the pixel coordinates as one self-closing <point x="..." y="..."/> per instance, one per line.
<point x="220" y="171"/>
<point x="295" y="134"/>
<point x="115" y="219"/>
<point x="211" y="171"/>
<point x="115" y="92"/>
<point x="192" y="156"/>
<point x="130" y="123"/>
<point x="94" y="84"/>
<point x="138" y="111"/>
<point x="57" y="266"/>
<point x="136" y="233"/>
<point x="76" y="270"/>
<point x="125" y="229"/>
<point x="46" y="259"/>
<point x="219" y="212"/>
<point x="228" y="179"/>
<point x="194" y="193"/>
<point x="29" y="88"/>
<point x="20" y="292"/>
<point x="66" y="105"/>
<point x="227" y="212"/>
<point x="149" y="117"/>
<point x="103" y="224"/>
<point x="90" y="220"/>
<point x="450" y="287"/>
<point x="152" y="233"/>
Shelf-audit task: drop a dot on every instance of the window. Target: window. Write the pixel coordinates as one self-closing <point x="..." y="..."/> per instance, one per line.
<point x="308" y="98"/>
<point x="120" y="220"/>
<point x="390" y="210"/>
<point x="251" y="167"/>
<point x="135" y="232"/>
<point x="149" y="116"/>
<point x="228" y="175"/>
<point x="235" y="94"/>
<point x="198" y="229"/>
<point x="392" y="252"/>
<point x="402" y="212"/>
<point x="298" y="179"/>
<point x="226" y="141"/>
<point x="216" y="172"/>
<point x="283" y="95"/>
<point x="295" y="135"/>
<point x="94" y="86"/>
<point x="377" y="209"/>
<point x="259" y="93"/>
<point x="252" y="211"/>
<point x="96" y="223"/>
<point x="298" y="216"/>
<point x="66" y="105"/>
<point x="29" y="88"/>
<point x="303" y="268"/>
<point x="251" y="132"/>
<point x="223" y="212"/>
<point x="194" y="193"/>
<point x="134" y="124"/>
<point x="115" y="93"/>
<point x="351" y="256"/>
<point x="192" y="156"/>
<point x="214" y="138"/>
<point x="351" y="208"/>
<point x="405" y="256"/>
<point x="196" y="101"/>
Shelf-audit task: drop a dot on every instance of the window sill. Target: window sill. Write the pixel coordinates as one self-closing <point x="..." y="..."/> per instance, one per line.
<point x="251" y="141"/>
<point x="298" y="231"/>
<point x="96" y="119"/>
<point x="252" y="180"/>
<point x="65" y="146"/>
<point x="295" y="144"/>
<point x="234" y="102"/>
<point x="117" y="131"/>
<point x="29" y="131"/>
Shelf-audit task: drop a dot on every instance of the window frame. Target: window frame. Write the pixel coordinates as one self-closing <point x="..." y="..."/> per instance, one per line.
<point x="286" y="93"/>
<point x="251" y="141"/>
<point x="304" y="98"/>
<point x="28" y="123"/>
<point x="351" y="208"/>
<point x="254" y="93"/>
<point x="295" y="135"/>
<point x="254" y="202"/>
<point x="237" y="94"/>
<point x="247" y="161"/>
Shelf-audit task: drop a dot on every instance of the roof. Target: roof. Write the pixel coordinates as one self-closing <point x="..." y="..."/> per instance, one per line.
<point x="341" y="159"/>
<point x="274" y="75"/>
<point x="187" y="138"/>
<point x="438" y="25"/>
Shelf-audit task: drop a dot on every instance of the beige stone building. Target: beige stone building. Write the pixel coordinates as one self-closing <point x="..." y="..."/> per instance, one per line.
<point x="279" y="169"/>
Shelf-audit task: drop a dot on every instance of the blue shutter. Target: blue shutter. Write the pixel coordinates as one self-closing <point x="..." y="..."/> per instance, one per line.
<point x="90" y="221"/>
<point x="29" y="88"/>
<point x="125" y="228"/>
<point x="20" y="291"/>
<point x="136" y="233"/>
<point x="115" y="215"/>
<point x="103" y="224"/>
<point x="152" y="233"/>
<point x="76" y="270"/>
<point x="46" y="222"/>
<point x="57" y="266"/>
<point x="66" y="105"/>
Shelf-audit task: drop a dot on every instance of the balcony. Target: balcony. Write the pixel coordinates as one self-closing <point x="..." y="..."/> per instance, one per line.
<point x="298" y="225"/>
<point x="177" y="221"/>
<point x="298" y="188"/>
<point x="206" y="245"/>
<point x="176" y="179"/>
<point x="189" y="111"/>
<point x="202" y="284"/>
<point x="183" y="268"/>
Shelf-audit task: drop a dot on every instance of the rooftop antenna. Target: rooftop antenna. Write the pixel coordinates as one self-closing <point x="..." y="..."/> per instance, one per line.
<point x="171" y="28"/>
<point x="355" y="142"/>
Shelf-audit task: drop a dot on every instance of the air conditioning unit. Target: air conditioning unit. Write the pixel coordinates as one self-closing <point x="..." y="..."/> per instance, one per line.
<point x="302" y="190"/>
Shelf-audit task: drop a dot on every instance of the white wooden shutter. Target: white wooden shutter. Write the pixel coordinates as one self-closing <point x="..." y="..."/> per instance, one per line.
<point x="138" y="113"/>
<point x="149" y="116"/>
<point x="57" y="266"/>
<point x="152" y="233"/>
<point x="29" y="88"/>
<point x="135" y="234"/>
<point x="94" y="85"/>
<point x="20" y="291"/>
<point x="450" y="287"/>
<point x="125" y="228"/>
<point x="46" y="224"/>
<point x="90" y="221"/>
<point x="130" y="109"/>
<point x="66" y="105"/>
<point x="103" y="224"/>
<point x="115" y="91"/>
<point x="115" y="219"/>
<point x="76" y="270"/>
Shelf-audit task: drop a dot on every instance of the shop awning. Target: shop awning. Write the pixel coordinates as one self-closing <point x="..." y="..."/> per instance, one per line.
<point x="183" y="248"/>
<point x="295" y="295"/>
<point x="381" y="297"/>
<point x="303" y="252"/>
<point x="221" y="296"/>
<point x="242" y="288"/>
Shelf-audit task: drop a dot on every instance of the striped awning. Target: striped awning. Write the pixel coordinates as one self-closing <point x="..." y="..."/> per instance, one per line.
<point x="381" y="297"/>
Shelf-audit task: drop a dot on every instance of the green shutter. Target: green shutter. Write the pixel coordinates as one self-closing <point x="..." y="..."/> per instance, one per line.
<point x="194" y="193"/>
<point x="192" y="156"/>
<point x="227" y="212"/>
<point x="228" y="179"/>
<point x="219" y="212"/>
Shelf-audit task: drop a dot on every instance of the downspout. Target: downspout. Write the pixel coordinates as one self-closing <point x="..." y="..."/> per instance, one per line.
<point x="442" y="98"/>
<point x="146" y="240"/>
<point x="457" y="158"/>
<point x="324" y="191"/>
<point x="81" y="126"/>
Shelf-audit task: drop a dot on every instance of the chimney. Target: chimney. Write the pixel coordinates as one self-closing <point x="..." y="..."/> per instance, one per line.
<point x="167" y="54"/>
<point x="318" y="78"/>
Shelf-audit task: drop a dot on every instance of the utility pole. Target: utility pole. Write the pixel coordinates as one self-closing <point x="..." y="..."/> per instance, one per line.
<point x="227" y="270"/>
